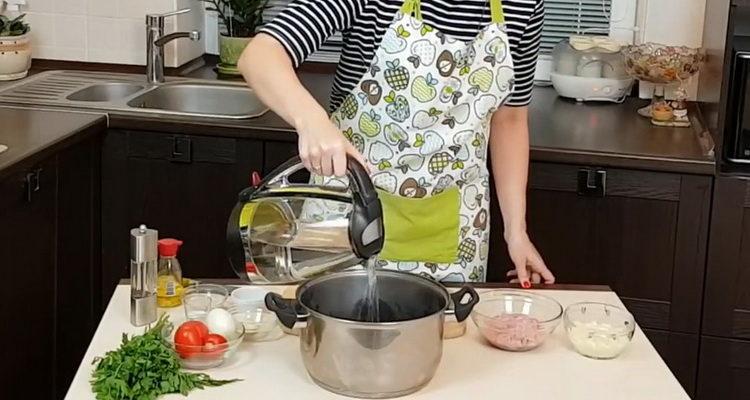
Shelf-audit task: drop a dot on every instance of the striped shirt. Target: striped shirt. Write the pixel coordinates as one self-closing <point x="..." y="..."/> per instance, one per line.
<point x="305" y="24"/>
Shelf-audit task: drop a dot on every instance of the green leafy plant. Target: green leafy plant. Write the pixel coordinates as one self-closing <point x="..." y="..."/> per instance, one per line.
<point x="13" y="27"/>
<point x="144" y="367"/>
<point x="241" y="17"/>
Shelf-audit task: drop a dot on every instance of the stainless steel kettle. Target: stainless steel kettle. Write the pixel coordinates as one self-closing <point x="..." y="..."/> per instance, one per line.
<point x="284" y="232"/>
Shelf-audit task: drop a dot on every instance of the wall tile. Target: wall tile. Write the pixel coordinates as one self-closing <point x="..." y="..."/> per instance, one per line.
<point x="45" y="52"/>
<point x="159" y="6"/>
<point x="42" y="28"/>
<point x="72" y="7"/>
<point x="59" y="53"/>
<point x="44" y="6"/>
<point x="133" y="33"/>
<point x="102" y="8"/>
<point x="70" y="31"/>
<point x="69" y="53"/>
<point x="133" y="8"/>
<point x="103" y="33"/>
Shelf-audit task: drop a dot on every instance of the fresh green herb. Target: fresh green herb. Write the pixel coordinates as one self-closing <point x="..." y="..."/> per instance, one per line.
<point x="144" y="367"/>
<point x="13" y="27"/>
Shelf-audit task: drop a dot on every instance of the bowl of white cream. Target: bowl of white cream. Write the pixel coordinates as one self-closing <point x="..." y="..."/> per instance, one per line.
<point x="598" y="330"/>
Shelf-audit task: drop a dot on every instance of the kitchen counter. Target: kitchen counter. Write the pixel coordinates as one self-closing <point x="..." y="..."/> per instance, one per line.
<point x="31" y="134"/>
<point x="609" y="135"/>
<point x="469" y="368"/>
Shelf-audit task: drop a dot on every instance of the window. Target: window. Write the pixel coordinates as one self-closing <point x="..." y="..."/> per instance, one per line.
<point x="562" y="19"/>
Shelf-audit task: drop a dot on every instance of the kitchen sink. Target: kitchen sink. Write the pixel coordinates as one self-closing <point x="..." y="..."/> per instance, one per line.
<point x="201" y="100"/>
<point x="105" y="92"/>
<point x="130" y="94"/>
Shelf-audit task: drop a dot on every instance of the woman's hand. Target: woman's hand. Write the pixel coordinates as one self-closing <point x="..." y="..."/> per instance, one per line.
<point x="530" y="267"/>
<point x="322" y="147"/>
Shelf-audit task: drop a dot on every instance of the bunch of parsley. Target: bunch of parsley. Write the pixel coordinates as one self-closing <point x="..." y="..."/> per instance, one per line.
<point x="144" y="368"/>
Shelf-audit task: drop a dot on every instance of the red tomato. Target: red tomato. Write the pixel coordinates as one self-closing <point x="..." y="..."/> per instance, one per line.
<point x="198" y="326"/>
<point x="215" y="345"/>
<point x="189" y="338"/>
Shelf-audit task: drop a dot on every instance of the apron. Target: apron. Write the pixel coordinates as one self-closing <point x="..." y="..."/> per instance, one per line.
<point x="420" y="116"/>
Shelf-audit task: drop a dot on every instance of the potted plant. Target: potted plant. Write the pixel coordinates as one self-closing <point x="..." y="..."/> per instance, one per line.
<point x="241" y="18"/>
<point x="15" y="48"/>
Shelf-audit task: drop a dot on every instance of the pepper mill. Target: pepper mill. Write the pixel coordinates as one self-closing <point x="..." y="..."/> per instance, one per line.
<point x="144" y="258"/>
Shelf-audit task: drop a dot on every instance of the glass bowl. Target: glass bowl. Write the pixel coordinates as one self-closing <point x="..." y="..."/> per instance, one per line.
<point x="199" y="299"/>
<point x="598" y="330"/>
<point x="516" y="320"/>
<point x="260" y="324"/>
<point x="199" y="357"/>
<point x="661" y="64"/>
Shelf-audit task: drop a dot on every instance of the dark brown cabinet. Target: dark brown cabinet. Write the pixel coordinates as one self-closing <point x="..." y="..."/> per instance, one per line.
<point x="680" y="352"/>
<point x="724" y="367"/>
<point x="724" y="370"/>
<point x="49" y="212"/>
<point x="643" y="233"/>
<point x="183" y="186"/>
<point x="727" y="306"/>
<point x="27" y="243"/>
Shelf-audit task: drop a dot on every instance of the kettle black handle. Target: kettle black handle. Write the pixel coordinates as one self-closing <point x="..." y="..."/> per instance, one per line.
<point x="366" y="223"/>
<point x="361" y="179"/>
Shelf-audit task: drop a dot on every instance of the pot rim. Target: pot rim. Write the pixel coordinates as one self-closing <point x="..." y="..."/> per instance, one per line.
<point x="443" y="291"/>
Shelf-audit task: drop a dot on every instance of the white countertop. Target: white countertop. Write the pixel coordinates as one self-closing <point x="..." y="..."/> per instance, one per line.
<point x="470" y="368"/>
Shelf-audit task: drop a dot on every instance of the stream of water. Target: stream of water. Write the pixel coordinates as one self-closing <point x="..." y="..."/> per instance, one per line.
<point x="372" y="297"/>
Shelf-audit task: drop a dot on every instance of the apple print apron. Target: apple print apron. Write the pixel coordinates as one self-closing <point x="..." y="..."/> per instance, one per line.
<point x="420" y="116"/>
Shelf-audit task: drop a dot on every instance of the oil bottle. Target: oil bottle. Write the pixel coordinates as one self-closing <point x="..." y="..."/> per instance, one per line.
<point x="169" y="281"/>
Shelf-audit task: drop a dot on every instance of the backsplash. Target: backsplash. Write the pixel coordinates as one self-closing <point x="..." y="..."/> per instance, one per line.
<point x="109" y="31"/>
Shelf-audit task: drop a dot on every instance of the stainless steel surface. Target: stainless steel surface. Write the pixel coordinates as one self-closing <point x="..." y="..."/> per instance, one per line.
<point x="100" y="91"/>
<point x="192" y="35"/>
<point x="366" y="359"/>
<point x="155" y="41"/>
<point x="200" y="99"/>
<point x="143" y="275"/>
<point x="106" y="92"/>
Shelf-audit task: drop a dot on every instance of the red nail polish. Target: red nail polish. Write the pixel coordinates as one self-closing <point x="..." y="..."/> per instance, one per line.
<point x="526" y="284"/>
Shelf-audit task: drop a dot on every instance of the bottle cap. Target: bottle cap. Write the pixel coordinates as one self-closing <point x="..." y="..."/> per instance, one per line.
<point x="168" y="247"/>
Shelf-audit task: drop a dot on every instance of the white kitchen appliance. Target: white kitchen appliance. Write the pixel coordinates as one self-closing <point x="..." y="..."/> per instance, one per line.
<point x="590" y="68"/>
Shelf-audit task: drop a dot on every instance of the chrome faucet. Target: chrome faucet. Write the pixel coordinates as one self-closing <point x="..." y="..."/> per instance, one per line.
<point x="155" y="41"/>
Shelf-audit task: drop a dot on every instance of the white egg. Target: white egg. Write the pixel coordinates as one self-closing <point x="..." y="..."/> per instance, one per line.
<point x="220" y="321"/>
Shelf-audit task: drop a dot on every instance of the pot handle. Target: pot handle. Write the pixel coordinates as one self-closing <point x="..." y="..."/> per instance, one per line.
<point x="288" y="311"/>
<point x="462" y="310"/>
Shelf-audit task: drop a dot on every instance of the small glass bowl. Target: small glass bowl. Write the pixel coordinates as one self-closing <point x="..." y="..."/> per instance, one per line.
<point x="248" y="295"/>
<point x="516" y="320"/>
<point x="260" y="324"/>
<point x="199" y="299"/>
<point x="198" y="357"/>
<point x="598" y="330"/>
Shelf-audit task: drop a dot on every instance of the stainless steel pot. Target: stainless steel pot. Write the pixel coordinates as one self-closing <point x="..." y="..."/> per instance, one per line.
<point x="347" y="355"/>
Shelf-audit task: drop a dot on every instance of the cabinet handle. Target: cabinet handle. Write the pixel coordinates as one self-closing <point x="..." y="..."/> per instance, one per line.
<point x="32" y="183"/>
<point x="592" y="182"/>
<point x="181" y="150"/>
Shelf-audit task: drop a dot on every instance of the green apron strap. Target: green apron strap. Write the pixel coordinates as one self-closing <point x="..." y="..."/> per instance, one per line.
<point x="496" y="10"/>
<point x="412" y="7"/>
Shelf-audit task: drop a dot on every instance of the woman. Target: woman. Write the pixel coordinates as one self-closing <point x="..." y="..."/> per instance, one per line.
<point x="422" y="89"/>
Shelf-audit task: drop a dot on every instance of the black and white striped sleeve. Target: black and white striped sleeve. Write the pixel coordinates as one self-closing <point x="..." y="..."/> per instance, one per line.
<point x="304" y="25"/>
<point x="525" y="57"/>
